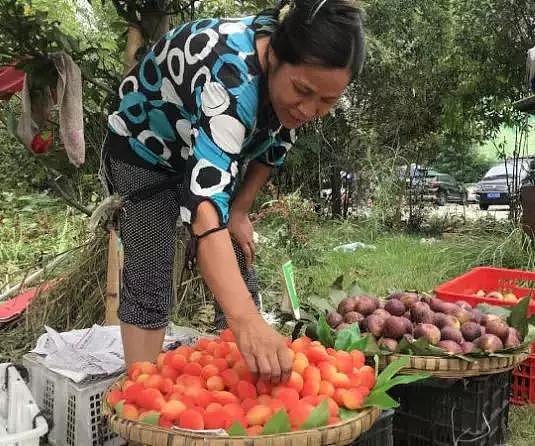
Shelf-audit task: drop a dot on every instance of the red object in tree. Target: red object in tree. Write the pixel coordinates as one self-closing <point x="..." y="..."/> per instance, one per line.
<point x="41" y="142"/>
<point x="11" y="81"/>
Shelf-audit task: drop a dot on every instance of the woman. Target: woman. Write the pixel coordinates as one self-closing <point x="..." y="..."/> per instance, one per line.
<point x="210" y="97"/>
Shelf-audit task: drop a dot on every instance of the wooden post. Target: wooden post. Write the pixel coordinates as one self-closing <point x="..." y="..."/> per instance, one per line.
<point x="134" y="42"/>
<point x="115" y="252"/>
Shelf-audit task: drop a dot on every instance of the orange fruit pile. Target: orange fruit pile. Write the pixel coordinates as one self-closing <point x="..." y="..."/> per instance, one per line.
<point x="208" y="386"/>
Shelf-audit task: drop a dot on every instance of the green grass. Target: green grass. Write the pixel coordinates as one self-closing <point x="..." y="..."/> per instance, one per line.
<point x="522" y="426"/>
<point x="33" y="228"/>
<point x="399" y="262"/>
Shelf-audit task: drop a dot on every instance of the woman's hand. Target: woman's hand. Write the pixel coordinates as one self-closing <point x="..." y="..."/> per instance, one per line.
<point x="265" y="351"/>
<point x="241" y="230"/>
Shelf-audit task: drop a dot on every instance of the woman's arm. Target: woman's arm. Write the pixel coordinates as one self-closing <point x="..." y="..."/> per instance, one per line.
<point x="256" y="175"/>
<point x="239" y="225"/>
<point x="263" y="349"/>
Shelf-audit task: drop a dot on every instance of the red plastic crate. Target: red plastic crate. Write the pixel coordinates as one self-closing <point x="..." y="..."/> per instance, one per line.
<point x="523" y="388"/>
<point x="463" y="287"/>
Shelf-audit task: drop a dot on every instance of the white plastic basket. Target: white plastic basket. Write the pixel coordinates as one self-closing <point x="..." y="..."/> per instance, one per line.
<point x="74" y="408"/>
<point x="20" y="422"/>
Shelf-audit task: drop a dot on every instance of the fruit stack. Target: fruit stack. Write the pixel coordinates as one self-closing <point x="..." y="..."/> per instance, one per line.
<point x="439" y="411"/>
<point x="208" y="386"/>
<point x="456" y="328"/>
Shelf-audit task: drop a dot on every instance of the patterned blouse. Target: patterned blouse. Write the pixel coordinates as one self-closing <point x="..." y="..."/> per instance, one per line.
<point x="193" y="107"/>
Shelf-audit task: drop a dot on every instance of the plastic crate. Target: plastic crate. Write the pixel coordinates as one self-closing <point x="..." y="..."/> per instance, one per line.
<point x="381" y="433"/>
<point x="423" y="433"/>
<point x="20" y="421"/>
<point x="438" y="412"/>
<point x="74" y="408"/>
<point x="523" y="388"/>
<point x="463" y="287"/>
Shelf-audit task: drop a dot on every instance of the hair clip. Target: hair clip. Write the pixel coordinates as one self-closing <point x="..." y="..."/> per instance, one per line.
<point x="314" y="10"/>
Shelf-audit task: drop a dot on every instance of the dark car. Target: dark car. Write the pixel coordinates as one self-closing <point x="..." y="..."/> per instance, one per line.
<point x="499" y="181"/>
<point x="440" y="188"/>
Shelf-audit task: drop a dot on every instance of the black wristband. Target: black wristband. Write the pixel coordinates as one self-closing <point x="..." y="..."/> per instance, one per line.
<point x="191" y="250"/>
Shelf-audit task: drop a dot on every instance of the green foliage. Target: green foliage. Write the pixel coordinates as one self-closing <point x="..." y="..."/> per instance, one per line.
<point x="385" y="381"/>
<point x="318" y="417"/>
<point x="326" y="334"/>
<point x="33" y="228"/>
<point x="279" y="423"/>
<point x="464" y="162"/>
<point x="382" y="400"/>
<point x="237" y="430"/>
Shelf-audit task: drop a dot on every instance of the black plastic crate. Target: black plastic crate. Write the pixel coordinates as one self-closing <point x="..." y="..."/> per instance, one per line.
<point x="418" y="432"/>
<point x="446" y="412"/>
<point x="380" y="434"/>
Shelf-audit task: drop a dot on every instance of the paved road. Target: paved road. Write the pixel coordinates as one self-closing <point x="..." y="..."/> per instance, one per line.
<point x="472" y="211"/>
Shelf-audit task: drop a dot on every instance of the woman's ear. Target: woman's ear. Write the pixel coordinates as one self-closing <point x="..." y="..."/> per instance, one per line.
<point x="273" y="60"/>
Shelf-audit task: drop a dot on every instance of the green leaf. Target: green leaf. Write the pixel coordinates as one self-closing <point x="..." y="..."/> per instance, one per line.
<point x="336" y="291"/>
<point x="347" y="337"/>
<point x="320" y="304"/>
<point x="355" y="290"/>
<point x="347" y="414"/>
<point x="380" y="400"/>
<point x="318" y="417"/>
<point x="366" y="344"/>
<point x="151" y="417"/>
<point x="401" y="379"/>
<point x="338" y="282"/>
<point x="437" y="351"/>
<point x="420" y="347"/>
<point x="403" y="346"/>
<point x="390" y="370"/>
<point x="519" y="316"/>
<point x="311" y="331"/>
<point x="336" y="296"/>
<point x="371" y="347"/>
<point x="501" y="312"/>
<point x="12" y="124"/>
<point x="237" y="430"/>
<point x="277" y="424"/>
<point x="119" y="407"/>
<point x="325" y="332"/>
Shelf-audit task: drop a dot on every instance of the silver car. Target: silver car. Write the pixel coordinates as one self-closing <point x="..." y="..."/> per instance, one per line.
<point x="499" y="181"/>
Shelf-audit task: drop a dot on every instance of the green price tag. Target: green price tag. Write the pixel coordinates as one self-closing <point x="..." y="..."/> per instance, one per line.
<point x="288" y="272"/>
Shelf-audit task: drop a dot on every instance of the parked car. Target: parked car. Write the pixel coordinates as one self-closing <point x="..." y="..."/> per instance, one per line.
<point x="471" y="196"/>
<point x="499" y="181"/>
<point x="439" y="188"/>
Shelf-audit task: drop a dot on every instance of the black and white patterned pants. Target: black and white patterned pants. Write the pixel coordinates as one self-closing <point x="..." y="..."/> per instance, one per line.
<point x="148" y="231"/>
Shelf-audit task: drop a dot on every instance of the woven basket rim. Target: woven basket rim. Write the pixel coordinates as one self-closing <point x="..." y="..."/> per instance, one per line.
<point x="110" y="416"/>
<point x="494" y="364"/>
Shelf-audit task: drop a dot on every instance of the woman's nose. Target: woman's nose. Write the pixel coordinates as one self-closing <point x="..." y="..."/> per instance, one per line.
<point x="307" y="109"/>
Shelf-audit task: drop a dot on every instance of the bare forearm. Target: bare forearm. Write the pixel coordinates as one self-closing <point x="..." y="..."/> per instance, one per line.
<point x="263" y="349"/>
<point x="219" y="268"/>
<point x="256" y="176"/>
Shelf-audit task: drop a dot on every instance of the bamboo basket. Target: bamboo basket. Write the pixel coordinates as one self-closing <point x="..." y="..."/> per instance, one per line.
<point x="342" y="433"/>
<point x="444" y="367"/>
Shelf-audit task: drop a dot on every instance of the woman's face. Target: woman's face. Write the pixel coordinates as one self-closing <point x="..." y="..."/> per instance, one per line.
<point x="300" y="93"/>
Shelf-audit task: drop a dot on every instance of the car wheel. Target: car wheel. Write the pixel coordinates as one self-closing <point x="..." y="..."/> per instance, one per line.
<point x="442" y="198"/>
<point x="483" y="207"/>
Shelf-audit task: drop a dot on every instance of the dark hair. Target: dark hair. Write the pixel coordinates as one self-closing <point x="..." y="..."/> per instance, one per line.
<point x="324" y="32"/>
